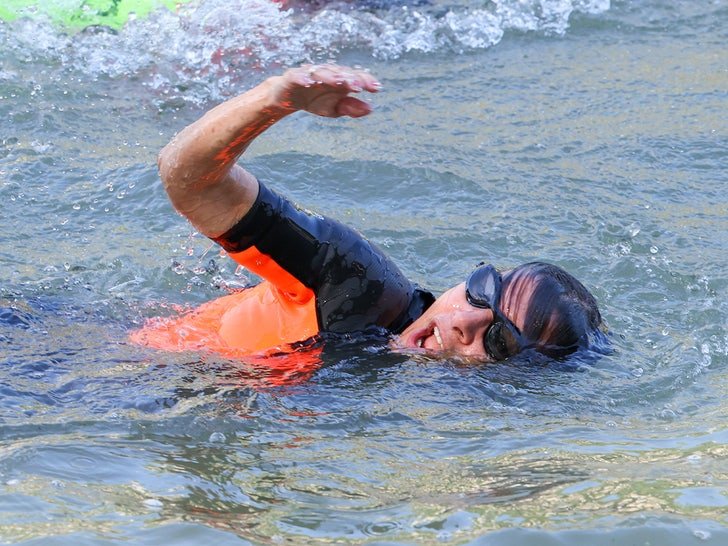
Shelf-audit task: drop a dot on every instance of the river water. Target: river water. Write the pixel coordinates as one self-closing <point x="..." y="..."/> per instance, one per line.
<point x="588" y="134"/>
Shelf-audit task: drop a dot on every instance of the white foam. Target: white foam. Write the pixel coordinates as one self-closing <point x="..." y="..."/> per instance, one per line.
<point x="199" y="52"/>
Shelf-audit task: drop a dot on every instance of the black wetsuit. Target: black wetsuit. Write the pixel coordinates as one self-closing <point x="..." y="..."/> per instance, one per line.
<point x="319" y="277"/>
<point x="356" y="285"/>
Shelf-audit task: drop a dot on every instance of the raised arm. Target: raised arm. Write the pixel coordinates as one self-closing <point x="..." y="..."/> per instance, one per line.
<point x="198" y="167"/>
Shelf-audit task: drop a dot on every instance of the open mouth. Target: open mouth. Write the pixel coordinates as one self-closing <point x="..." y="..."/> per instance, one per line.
<point x="435" y="332"/>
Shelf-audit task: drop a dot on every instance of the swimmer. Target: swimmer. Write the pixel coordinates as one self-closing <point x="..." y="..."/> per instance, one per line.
<point x="319" y="276"/>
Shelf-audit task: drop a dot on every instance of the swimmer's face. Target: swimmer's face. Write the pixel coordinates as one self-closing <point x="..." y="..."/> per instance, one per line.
<point x="454" y="326"/>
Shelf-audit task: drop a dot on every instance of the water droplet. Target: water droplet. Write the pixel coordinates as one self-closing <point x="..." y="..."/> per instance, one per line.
<point x="694" y="458"/>
<point x="217" y="438"/>
<point x="702" y="535"/>
<point x="508" y="390"/>
<point x="153" y="503"/>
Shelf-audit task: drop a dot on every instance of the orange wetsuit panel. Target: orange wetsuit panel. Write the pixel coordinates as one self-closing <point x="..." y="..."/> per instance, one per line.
<point x="266" y="317"/>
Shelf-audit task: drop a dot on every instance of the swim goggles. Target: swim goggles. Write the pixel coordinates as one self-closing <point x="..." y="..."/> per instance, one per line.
<point x="483" y="290"/>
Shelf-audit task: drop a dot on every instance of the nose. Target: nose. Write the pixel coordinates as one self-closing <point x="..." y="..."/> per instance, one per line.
<point x="468" y="327"/>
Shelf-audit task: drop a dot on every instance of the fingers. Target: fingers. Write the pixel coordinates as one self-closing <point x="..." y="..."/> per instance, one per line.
<point x="349" y="80"/>
<point x="325" y="89"/>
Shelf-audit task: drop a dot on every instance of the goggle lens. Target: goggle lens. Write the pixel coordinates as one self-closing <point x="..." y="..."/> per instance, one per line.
<point x="500" y="341"/>
<point x="482" y="290"/>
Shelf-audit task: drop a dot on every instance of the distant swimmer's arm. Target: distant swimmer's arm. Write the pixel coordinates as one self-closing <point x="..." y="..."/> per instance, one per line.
<point x="198" y="167"/>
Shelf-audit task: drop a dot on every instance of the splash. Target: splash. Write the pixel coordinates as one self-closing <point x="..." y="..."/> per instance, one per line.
<point x="197" y="50"/>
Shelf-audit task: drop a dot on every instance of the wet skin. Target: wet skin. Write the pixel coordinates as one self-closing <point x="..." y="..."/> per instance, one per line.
<point x="453" y="326"/>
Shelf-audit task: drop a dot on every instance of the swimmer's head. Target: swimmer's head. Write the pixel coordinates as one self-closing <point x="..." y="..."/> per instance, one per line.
<point x="535" y="306"/>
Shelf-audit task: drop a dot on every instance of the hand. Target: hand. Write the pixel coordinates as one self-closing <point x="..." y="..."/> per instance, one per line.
<point x="324" y="90"/>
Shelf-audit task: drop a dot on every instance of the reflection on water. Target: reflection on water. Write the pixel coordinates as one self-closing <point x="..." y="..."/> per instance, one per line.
<point x="574" y="132"/>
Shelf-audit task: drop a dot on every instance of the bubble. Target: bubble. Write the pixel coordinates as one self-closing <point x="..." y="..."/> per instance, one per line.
<point x="217" y="438"/>
<point x="152" y="503"/>
<point x="694" y="458"/>
<point x="508" y="390"/>
<point x="381" y="528"/>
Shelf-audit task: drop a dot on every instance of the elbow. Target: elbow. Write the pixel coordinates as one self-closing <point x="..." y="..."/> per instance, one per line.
<point x="166" y="163"/>
<point x="172" y="176"/>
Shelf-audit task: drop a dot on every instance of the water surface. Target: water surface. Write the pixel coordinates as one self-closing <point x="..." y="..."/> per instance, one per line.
<point x="584" y="133"/>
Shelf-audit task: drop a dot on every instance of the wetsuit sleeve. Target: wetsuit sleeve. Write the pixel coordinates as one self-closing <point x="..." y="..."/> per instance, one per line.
<point x="355" y="284"/>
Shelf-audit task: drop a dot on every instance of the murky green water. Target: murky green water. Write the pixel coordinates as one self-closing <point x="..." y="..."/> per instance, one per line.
<point x="585" y="134"/>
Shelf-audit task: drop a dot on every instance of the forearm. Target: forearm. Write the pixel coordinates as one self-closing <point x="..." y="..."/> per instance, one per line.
<point x="198" y="165"/>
